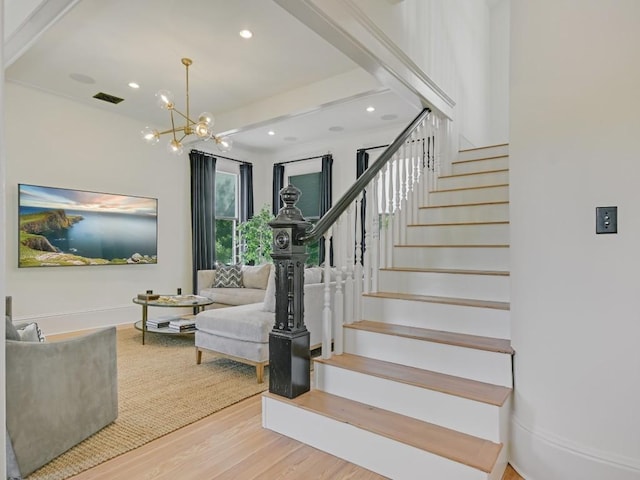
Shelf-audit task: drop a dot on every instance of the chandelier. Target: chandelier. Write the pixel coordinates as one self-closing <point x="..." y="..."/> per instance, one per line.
<point x="202" y="128"/>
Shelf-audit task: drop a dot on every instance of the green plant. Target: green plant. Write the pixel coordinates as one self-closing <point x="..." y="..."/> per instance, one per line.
<point x="255" y="237"/>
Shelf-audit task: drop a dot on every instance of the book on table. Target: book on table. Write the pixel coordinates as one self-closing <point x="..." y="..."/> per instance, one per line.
<point x="161" y="321"/>
<point x="182" y="324"/>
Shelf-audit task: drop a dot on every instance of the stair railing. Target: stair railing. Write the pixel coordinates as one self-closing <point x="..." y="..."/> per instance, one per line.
<point x="392" y="189"/>
<point x="359" y="231"/>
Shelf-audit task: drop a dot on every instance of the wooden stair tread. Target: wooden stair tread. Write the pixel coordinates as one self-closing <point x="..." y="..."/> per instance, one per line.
<point x="498" y="273"/>
<point x="469" y="188"/>
<point x="452" y="246"/>
<point x="458" y="224"/>
<point x="439" y="382"/>
<point x="490" y="344"/>
<point x="459" y="447"/>
<point x="474" y="173"/>
<point x="504" y="202"/>
<point x="486" y="147"/>
<point x="479" y="159"/>
<point x="464" y="302"/>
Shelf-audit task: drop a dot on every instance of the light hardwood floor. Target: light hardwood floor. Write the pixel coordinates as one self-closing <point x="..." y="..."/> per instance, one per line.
<point x="230" y="444"/>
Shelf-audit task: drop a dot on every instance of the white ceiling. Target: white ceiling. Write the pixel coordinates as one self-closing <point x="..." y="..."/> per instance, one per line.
<point x="286" y="78"/>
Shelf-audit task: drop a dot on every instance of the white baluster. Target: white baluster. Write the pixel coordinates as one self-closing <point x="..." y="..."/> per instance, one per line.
<point x="338" y="304"/>
<point x="396" y="199"/>
<point x="326" y="312"/>
<point x="368" y="223"/>
<point x="384" y="205"/>
<point x="348" y="285"/>
<point x="375" y="234"/>
<point x="422" y="159"/>
<point x="411" y="179"/>
<point x="357" y="268"/>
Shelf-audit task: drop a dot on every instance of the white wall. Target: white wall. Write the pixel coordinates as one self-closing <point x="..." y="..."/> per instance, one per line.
<point x="450" y="41"/>
<point x="575" y="298"/>
<point x="499" y="73"/>
<point x="55" y="142"/>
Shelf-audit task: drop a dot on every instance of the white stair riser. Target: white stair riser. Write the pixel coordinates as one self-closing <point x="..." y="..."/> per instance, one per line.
<point x="471" y="195"/>
<point x="465" y="258"/>
<point x="479" y="287"/>
<point x="374" y="452"/>
<point x="461" y="414"/>
<point x="481" y="165"/>
<point x="481" y="365"/>
<point x="486" y="322"/>
<point x="491" y="212"/>
<point x="476" y="180"/>
<point x="492" y="151"/>
<point x="482" y="233"/>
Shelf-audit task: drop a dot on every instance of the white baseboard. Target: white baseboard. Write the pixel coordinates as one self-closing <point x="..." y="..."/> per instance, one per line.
<point x="544" y="456"/>
<point x="63" y="322"/>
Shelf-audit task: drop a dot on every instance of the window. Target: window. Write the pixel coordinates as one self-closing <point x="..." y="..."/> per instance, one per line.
<point x="226" y="215"/>
<point x="309" y="205"/>
<point x="309" y="202"/>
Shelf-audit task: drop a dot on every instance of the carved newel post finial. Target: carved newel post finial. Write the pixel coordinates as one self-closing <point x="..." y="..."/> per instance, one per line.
<point x="289" y="355"/>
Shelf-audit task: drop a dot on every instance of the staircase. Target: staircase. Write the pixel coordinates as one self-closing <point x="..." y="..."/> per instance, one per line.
<point x="423" y="389"/>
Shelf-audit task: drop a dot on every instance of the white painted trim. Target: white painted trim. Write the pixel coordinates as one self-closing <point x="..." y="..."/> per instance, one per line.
<point x="71" y="321"/>
<point x="397" y="52"/>
<point x="542" y="455"/>
<point x="377" y="453"/>
<point x="346" y="27"/>
<point x="22" y="36"/>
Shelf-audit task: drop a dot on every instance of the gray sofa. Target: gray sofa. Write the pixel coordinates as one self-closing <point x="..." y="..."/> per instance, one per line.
<point x="242" y="332"/>
<point x="58" y="393"/>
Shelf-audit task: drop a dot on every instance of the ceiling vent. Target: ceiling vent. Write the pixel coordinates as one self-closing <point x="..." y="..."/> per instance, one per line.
<point x="108" y="98"/>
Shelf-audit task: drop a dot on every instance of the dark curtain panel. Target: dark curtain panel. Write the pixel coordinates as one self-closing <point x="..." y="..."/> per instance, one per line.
<point x="203" y="199"/>
<point x="278" y="184"/>
<point x="246" y="192"/>
<point x="326" y="187"/>
<point x="362" y="163"/>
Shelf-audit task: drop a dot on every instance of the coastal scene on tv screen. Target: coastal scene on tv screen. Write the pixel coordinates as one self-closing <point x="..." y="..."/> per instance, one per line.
<point x="65" y="227"/>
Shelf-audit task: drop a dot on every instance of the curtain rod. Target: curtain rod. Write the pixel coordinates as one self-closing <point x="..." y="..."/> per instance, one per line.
<point x="372" y="148"/>
<point x="302" y="159"/>
<point x="221" y="156"/>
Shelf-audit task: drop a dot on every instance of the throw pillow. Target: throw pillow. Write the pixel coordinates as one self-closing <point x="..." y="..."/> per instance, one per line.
<point x="11" y="333"/>
<point x="31" y="333"/>
<point x="256" y="276"/>
<point x="269" y="304"/>
<point x="228" y="276"/>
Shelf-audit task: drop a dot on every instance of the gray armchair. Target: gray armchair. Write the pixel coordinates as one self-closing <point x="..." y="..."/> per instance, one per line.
<point x="58" y="394"/>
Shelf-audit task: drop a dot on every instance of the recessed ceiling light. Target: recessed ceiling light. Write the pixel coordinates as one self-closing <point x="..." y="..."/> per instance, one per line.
<point x="134" y="85"/>
<point x="371" y="109"/>
<point x="246" y="34"/>
<point x="271" y="132"/>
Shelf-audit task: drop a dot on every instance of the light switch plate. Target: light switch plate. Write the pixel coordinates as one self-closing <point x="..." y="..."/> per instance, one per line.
<point x="606" y="219"/>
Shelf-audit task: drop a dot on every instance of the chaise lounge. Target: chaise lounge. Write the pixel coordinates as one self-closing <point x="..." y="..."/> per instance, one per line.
<point x="242" y="332"/>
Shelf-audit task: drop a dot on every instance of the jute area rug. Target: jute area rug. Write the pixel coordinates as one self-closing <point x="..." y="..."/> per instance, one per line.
<point x="160" y="389"/>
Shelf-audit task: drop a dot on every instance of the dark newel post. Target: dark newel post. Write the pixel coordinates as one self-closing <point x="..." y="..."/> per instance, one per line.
<point x="289" y="355"/>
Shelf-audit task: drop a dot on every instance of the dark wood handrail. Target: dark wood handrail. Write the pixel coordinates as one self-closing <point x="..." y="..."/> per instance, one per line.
<point x="329" y="218"/>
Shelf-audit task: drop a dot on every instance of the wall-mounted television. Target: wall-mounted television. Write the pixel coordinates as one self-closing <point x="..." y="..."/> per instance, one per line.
<point x="65" y="227"/>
